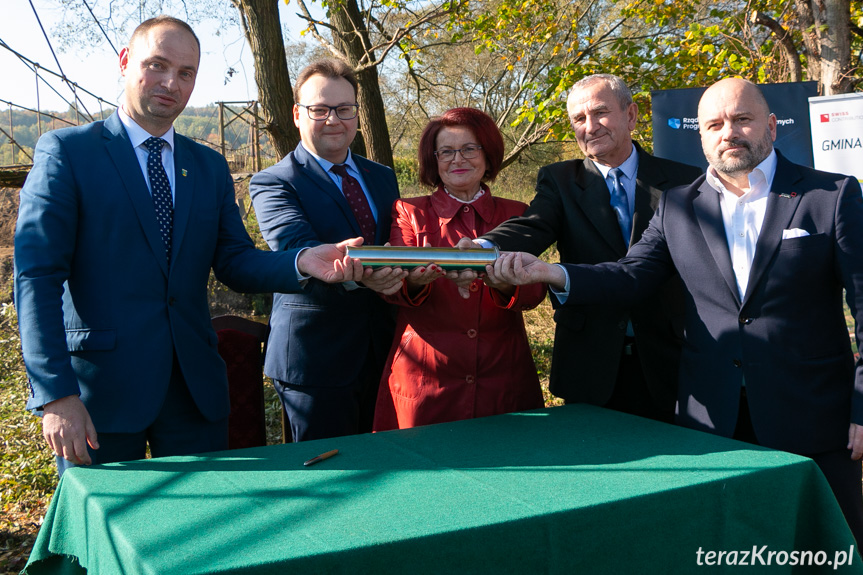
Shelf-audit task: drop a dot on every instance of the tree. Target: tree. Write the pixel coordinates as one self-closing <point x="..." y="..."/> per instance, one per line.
<point x="364" y="37"/>
<point x="819" y="32"/>
<point x="260" y="22"/>
<point x="518" y="58"/>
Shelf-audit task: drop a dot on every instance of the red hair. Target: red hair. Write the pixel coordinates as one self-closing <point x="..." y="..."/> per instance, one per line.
<point x="484" y="129"/>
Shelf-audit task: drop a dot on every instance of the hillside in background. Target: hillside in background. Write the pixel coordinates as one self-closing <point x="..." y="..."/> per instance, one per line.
<point x="201" y="124"/>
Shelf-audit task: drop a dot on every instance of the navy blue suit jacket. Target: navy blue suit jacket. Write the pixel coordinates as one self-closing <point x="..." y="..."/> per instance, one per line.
<point x="322" y="335"/>
<point x="100" y="312"/>
<point x="787" y="336"/>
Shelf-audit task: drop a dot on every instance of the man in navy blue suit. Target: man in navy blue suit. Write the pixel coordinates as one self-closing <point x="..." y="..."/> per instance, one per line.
<point x="764" y="248"/>
<point x="328" y="343"/>
<point x="119" y="225"/>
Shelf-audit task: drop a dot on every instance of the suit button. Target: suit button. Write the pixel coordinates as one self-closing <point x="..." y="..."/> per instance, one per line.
<point x="466" y="209"/>
<point x="474" y="286"/>
<point x="172" y="300"/>
<point x="737" y="363"/>
<point x="745" y="320"/>
<point x="471" y="333"/>
<point x="470" y="379"/>
<point x="621" y="325"/>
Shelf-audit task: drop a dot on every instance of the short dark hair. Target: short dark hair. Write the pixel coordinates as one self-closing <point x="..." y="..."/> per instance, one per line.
<point x="328" y="68"/>
<point x="483" y="127"/>
<point x="160" y="20"/>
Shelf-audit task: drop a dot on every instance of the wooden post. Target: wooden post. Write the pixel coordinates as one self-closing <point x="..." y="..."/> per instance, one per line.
<point x="11" y="137"/>
<point x="256" y="137"/>
<point x="222" y="128"/>
<point x="38" y="105"/>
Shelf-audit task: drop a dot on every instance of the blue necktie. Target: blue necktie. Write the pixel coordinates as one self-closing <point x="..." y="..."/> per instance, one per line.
<point x="161" y="191"/>
<point x="620" y="203"/>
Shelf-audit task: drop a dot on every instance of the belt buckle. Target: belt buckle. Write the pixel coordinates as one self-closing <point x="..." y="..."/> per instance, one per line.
<point x="627" y="349"/>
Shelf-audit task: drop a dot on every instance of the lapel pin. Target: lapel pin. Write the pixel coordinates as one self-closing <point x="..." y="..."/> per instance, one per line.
<point x="789" y="196"/>
<point x="184" y="173"/>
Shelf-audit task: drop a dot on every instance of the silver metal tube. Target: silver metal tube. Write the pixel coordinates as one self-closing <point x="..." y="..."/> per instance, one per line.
<point x="410" y="257"/>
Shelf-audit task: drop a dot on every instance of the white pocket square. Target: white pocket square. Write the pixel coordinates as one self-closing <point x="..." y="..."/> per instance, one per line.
<point x="794" y="233"/>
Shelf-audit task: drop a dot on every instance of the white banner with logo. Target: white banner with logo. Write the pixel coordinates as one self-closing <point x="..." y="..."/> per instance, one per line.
<point x="837" y="133"/>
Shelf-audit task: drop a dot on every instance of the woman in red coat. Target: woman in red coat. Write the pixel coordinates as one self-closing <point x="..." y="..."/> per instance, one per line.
<point x="456" y="358"/>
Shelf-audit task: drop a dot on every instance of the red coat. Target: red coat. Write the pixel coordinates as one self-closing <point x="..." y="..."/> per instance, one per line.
<point x="456" y="358"/>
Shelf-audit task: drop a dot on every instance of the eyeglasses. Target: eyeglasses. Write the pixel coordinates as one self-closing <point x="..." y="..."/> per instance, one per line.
<point x="468" y="152"/>
<point x="321" y="112"/>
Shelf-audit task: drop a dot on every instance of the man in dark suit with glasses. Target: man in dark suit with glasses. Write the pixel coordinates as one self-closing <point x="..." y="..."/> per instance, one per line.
<point x="328" y="344"/>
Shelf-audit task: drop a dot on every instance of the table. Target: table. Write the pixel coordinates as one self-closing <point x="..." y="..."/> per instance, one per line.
<point x="560" y="490"/>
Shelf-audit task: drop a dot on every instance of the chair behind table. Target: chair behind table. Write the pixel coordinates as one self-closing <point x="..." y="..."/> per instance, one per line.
<point x="242" y="345"/>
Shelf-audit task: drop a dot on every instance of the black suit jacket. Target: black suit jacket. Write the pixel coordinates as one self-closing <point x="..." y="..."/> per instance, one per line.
<point x="572" y="207"/>
<point x="786" y="337"/>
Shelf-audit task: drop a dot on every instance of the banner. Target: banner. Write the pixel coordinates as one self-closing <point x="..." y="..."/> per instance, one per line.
<point x="837" y="133"/>
<point x="675" y="122"/>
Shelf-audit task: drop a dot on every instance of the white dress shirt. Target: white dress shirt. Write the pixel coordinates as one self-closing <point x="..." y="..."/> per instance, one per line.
<point x="138" y="135"/>
<point x="743" y="216"/>
<point x="352" y="170"/>
<point x="630" y="170"/>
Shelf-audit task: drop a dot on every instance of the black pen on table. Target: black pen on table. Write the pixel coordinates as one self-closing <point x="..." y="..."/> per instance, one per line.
<point x="321" y="457"/>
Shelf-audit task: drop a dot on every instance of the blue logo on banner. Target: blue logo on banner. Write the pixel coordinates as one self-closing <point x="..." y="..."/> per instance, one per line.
<point x="674" y="123"/>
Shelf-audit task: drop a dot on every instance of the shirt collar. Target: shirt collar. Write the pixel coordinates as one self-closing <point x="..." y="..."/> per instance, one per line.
<point x="760" y="178"/>
<point x="447" y="206"/>
<point x="629" y="167"/>
<point x="326" y="164"/>
<point x="138" y="135"/>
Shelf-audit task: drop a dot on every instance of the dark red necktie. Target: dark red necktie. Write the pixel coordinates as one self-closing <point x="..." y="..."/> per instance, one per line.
<point x="357" y="201"/>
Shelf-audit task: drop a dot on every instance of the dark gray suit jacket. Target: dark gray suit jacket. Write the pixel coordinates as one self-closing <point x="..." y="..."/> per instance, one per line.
<point x="572" y="208"/>
<point x="787" y="336"/>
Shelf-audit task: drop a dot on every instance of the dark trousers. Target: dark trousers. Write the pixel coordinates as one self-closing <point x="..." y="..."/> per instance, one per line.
<point x="179" y="429"/>
<point x="630" y="393"/>
<point x="842" y="473"/>
<point x="323" y="412"/>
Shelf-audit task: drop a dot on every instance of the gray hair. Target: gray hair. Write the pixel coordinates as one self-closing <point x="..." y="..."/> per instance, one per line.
<point x="617" y="86"/>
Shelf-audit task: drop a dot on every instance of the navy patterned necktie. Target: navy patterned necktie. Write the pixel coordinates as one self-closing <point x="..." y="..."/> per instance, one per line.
<point x="358" y="202"/>
<point x="161" y="190"/>
<point x="620" y="203"/>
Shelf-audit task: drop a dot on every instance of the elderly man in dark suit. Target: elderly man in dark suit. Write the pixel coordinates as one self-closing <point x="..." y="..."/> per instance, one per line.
<point x="328" y="344"/>
<point x="619" y="357"/>
<point x="764" y="248"/>
<point x="119" y="225"/>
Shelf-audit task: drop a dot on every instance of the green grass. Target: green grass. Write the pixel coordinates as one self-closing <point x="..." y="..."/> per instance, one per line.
<point x="27" y="473"/>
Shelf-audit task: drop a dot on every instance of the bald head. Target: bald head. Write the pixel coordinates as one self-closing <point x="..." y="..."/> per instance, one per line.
<point x="733" y="89"/>
<point x="736" y="126"/>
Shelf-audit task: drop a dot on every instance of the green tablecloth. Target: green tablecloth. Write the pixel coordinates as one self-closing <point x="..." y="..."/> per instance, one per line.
<point x="560" y="490"/>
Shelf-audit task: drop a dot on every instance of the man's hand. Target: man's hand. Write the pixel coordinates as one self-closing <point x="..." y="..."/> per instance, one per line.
<point x="462" y="279"/>
<point x="855" y="440"/>
<point x="465" y="243"/>
<point x="385" y="280"/>
<point x="67" y="427"/>
<point x="519" y="268"/>
<point x="329" y="262"/>
<point x="493" y="281"/>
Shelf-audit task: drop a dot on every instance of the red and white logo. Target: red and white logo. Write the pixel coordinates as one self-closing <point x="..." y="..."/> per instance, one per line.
<point x="825" y="118"/>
